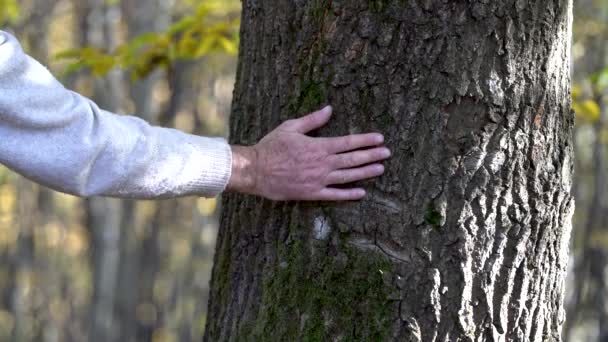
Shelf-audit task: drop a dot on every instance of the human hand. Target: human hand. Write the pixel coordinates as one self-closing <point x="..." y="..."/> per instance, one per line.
<point x="289" y="165"/>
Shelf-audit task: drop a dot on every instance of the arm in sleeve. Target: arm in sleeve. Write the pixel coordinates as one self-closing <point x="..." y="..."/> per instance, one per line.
<point x="62" y="140"/>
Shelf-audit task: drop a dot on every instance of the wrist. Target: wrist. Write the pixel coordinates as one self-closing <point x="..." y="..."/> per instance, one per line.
<point x="244" y="170"/>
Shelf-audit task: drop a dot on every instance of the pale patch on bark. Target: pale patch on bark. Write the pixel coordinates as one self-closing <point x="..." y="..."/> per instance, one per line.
<point x="495" y="87"/>
<point x="362" y="242"/>
<point x="465" y="313"/>
<point x="435" y="277"/>
<point x="565" y="238"/>
<point x="321" y="228"/>
<point x="495" y="161"/>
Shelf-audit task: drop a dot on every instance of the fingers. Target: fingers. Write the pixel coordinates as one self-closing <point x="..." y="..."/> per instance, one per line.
<point x="311" y="121"/>
<point x="353" y="175"/>
<point x="358" y="158"/>
<point x="333" y="194"/>
<point x="353" y="142"/>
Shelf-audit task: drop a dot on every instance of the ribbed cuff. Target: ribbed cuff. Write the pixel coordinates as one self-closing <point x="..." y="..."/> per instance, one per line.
<point x="213" y="158"/>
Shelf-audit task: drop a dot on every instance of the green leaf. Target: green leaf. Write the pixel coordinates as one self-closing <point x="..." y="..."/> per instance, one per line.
<point x="74" y="67"/>
<point x="181" y="25"/>
<point x="204" y="48"/>
<point x="10" y="11"/>
<point x="209" y="29"/>
<point x="69" y="54"/>
<point x="588" y="110"/>
<point x="150" y="38"/>
<point x="229" y="46"/>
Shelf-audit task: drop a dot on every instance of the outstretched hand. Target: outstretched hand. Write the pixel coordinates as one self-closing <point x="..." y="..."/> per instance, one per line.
<point x="289" y="165"/>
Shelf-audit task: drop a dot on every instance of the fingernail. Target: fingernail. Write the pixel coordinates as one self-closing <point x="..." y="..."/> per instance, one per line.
<point x="327" y="109"/>
<point x="386" y="153"/>
<point x="360" y="193"/>
<point x="380" y="138"/>
<point x="380" y="168"/>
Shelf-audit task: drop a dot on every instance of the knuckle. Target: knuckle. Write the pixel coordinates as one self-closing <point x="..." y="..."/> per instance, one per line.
<point x="306" y="120"/>
<point x="344" y="142"/>
<point x="285" y="126"/>
<point x="349" y="161"/>
<point x="319" y="177"/>
<point x="313" y="118"/>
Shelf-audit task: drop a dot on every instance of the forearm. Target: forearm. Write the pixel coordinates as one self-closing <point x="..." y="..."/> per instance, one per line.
<point x="63" y="140"/>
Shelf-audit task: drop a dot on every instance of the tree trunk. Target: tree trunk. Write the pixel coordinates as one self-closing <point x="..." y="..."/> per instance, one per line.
<point x="465" y="238"/>
<point x="139" y="17"/>
<point x="103" y="215"/>
<point x="35" y="203"/>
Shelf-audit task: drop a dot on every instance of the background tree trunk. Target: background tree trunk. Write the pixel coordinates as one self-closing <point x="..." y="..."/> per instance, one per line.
<point x="140" y="17"/>
<point x="103" y="215"/>
<point x="466" y="236"/>
<point x="31" y="198"/>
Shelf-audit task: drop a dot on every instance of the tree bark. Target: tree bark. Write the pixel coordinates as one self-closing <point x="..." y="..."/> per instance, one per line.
<point x="465" y="238"/>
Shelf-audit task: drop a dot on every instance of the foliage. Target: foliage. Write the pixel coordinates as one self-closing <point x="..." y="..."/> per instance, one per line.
<point x="160" y="262"/>
<point x="9" y="11"/>
<point x="587" y="94"/>
<point x="586" y="109"/>
<point x="590" y="71"/>
<point x="194" y="36"/>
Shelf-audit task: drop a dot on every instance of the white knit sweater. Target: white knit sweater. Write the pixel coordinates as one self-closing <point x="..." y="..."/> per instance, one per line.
<point x="61" y="139"/>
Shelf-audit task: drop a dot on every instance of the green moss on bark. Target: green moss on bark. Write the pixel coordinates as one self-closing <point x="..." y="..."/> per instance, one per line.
<point x="378" y="6"/>
<point x="223" y="273"/>
<point x="319" y="296"/>
<point x="310" y="98"/>
<point x="433" y="217"/>
<point x="318" y="10"/>
<point x="312" y="92"/>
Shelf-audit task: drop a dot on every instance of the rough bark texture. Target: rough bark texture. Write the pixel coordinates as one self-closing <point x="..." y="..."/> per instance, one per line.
<point x="466" y="236"/>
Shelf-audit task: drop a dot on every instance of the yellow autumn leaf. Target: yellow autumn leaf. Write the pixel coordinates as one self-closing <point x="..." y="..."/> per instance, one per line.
<point x="577" y="91"/>
<point x="588" y="110"/>
<point x="9" y="11"/>
<point x="229" y="46"/>
<point x="206" y="206"/>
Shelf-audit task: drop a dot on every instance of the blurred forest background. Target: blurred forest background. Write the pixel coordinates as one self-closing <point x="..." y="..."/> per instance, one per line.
<point x="113" y="270"/>
<point x="105" y="269"/>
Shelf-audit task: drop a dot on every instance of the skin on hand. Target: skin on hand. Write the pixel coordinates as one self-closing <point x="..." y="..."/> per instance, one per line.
<point x="289" y="165"/>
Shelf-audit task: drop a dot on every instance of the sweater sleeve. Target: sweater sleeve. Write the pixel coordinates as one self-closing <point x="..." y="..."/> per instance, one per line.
<point x="63" y="140"/>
